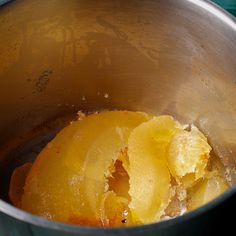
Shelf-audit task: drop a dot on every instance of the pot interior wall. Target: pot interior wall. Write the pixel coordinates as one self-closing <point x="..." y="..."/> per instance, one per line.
<point x="163" y="57"/>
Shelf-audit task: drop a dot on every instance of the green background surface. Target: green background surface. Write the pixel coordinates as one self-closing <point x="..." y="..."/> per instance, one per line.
<point x="229" y="5"/>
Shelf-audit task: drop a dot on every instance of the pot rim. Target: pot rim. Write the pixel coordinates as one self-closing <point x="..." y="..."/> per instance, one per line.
<point x="26" y="217"/>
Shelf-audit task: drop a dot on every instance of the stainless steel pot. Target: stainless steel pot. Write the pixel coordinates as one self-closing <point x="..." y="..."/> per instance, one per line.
<point x="166" y="57"/>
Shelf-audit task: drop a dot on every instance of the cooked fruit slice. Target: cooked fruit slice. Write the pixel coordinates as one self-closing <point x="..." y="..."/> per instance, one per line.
<point x="124" y="158"/>
<point x="188" y="154"/>
<point x="148" y="172"/>
<point x="118" y="168"/>
<point x="69" y="178"/>
<point x="188" y="180"/>
<point x="177" y="204"/>
<point x="206" y="190"/>
<point x="119" y="181"/>
<point x="115" y="210"/>
<point x="17" y="183"/>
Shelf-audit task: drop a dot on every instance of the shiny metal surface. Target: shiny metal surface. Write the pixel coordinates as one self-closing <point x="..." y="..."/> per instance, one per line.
<point x="166" y="57"/>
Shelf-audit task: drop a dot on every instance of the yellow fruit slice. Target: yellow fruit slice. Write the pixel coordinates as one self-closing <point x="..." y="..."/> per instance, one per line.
<point x="206" y="190"/>
<point x="188" y="154"/>
<point x="17" y="183"/>
<point x="69" y="177"/>
<point x="118" y="168"/>
<point x="115" y="210"/>
<point x="119" y="181"/>
<point x="148" y="172"/>
<point x="124" y="158"/>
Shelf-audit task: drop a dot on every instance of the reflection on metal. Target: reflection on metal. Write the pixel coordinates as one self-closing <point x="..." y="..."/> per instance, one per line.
<point x="4" y="1"/>
<point x="215" y="11"/>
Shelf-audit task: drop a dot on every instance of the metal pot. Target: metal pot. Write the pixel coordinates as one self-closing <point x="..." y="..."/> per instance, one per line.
<point x="166" y="57"/>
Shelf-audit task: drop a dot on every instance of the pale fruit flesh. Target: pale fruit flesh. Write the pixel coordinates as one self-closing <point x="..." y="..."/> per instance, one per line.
<point x="188" y="155"/>
<point x="118" y="168"/>
<point x="206" y="190"/>
<point x="69" y="177"/>
<point x="149" y="175"/>
<point x="17" y="183"/>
